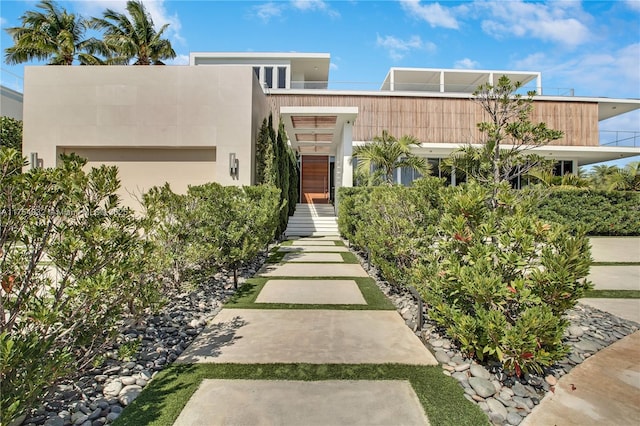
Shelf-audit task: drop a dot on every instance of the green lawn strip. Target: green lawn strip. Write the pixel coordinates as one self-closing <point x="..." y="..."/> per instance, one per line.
<point x="278" y="256"/>
<point x="339" y="243"/>
<point x="164" y="398"/>
<point x="612" y="294"/>
<point x="246" y="295"/>
<point x="615" y="263"/>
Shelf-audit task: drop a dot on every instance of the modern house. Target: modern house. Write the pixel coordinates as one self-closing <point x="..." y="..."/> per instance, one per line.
<point x="10" y="103"/>
<point x="187" y="124"/>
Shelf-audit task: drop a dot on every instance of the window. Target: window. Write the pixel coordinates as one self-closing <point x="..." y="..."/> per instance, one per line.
<point x="256" y="71"/>
<point x="562" y="168"/>
<point x="282" y="78"/>
<point x="268" y="77"/>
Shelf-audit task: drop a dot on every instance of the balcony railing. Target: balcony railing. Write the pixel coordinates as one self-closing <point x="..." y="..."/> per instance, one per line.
<point x="630" y="139"/>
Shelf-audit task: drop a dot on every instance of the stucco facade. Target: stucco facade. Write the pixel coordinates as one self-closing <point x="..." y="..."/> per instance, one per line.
<point x="174" y="124"/>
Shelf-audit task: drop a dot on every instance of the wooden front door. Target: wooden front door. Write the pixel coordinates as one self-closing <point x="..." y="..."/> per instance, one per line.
<point x="315" y="179"/>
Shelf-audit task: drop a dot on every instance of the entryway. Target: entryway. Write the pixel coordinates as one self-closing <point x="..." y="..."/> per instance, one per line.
<point x="315" y="179"/>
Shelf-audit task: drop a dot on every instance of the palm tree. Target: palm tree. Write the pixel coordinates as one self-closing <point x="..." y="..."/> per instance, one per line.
<point x="627" y="179"/>
<point x="133" y="39"/>
<point x="52" y="35"/>
<point x="601" y="175"/>
<point x="386" y="154"/>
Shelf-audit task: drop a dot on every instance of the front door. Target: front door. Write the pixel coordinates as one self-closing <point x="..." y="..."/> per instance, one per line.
<point x="315" y="179"/>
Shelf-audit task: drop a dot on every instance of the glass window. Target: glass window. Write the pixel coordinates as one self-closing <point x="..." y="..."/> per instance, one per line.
<point x="268" y="76"/>
<point x="282" y="77"/>
<point x="406" y="176"/>
<point x="567" y="167"/>
<point x="256" y="71"/>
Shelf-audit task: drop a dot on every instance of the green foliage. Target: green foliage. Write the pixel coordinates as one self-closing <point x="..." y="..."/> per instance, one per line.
<point x="228" y="226"/>
<point x="52" y="35"/>
<point x="599" y="212"/>
<point x="386" y="154"/>
<point x="11" y="133"/>
<point x="72" y="262"/>
<point x="352" y="204"/>
<point x="277" y="165"/>
<point x="128" y="350"/>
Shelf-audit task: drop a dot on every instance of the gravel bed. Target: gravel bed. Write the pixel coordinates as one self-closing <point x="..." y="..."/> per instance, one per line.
<point x="97" y="396"/>
<point x="505" y="398"/>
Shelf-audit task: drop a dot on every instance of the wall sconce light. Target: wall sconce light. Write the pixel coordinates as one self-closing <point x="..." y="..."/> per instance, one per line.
<point x="36" y="163"/>
<point x="233" y="164"/>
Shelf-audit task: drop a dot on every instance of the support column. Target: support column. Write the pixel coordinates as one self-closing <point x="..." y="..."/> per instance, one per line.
<point x="347" y="149"/>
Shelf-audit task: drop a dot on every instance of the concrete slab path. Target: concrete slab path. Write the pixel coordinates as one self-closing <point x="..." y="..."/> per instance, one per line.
<point x="316" y="249"/>
<point x="313" y="257"/>
<point x="331" y="402"/>
<point x="615" y="249"/>
<point x="313" y="243"/>
<point x="628" y="309"/>
<point x="603" y="390"/>
<point x="325" y="292"/>
<point x="312" y="270"/>
<point x="621" y="277"/>
<point x="315" y="336"/>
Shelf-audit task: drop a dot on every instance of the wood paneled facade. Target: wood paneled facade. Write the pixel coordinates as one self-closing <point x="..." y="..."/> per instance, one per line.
<point x="445" y="120"/>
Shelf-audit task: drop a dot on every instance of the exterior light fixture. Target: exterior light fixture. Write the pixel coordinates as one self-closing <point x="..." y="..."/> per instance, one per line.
<point x="36" y="162"/>
<point x="233" y="164"/>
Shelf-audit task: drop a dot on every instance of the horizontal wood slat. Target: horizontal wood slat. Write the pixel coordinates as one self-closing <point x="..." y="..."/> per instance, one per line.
<point x="315" y="172"/>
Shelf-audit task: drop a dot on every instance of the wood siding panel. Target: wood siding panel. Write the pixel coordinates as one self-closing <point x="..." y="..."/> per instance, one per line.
<point x="447" y="120"/>
<point x="315" y="172"/>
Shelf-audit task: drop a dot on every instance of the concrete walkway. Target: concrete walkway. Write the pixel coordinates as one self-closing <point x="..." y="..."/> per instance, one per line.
<point x="605" y="388"/>
<point x="315" y="336"/>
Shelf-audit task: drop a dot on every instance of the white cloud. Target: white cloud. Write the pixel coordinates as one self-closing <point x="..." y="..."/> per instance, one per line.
<point x="466" y="63"/>
<point x="314" y="6"/>
<point x="180" y="59"/>
<point x="633" y="5"/>
<point x="560" y="22"/>
<point x="611" y="74"/>
<point x="432" y="13"/>
<point x="398" y="48"/>
<point x="267" y="11"/>
<point x="3" y="21"/>
<point x="333" y="66"/>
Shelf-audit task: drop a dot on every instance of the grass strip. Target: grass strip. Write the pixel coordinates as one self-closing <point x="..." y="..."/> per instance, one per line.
<point x="615" y="264"/>
<point x="612" y="294"/>
<point x="164" y="398"/>
<point x="278" y="256"/>
<point x="245" y="297"/>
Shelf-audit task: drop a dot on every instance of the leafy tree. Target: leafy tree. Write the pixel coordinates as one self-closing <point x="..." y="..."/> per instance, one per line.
<point x="53" y="35"/>
<point x="72" y="263"/>
<point x="133" y="39"/>
<point x="11" y="133"/>
<point x="387" y="153"/>
<point x="507" y="134"/>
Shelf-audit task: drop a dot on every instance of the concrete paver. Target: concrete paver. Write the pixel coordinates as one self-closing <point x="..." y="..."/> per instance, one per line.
<point x="313" y="243"/>
<point x="331" y="402"/>
<point x="323" y="249"/>
<point x="615" y="249"/>
<point x="322" y="238"/>
<point x="603" y="390"/>
<point x="312" y="270"/>
<point x="628" y="309"/>
<point x="311" y="336"/>
<point x="332" y="292"/>
<point x="615" y="277"/>
<point x="313" y="257"/>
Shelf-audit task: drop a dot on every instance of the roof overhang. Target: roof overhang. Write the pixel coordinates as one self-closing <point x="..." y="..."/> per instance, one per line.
<point x="583" y="154"/>
<point x="316" y="130"/>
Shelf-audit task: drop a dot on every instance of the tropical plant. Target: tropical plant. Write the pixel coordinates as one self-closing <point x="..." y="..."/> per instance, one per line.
<point x="601" y="174"/>
<point x="387" y="153"/>
<point x="133" y="37"/>
<point x="53" y="35"/>
<point x="11" y="133"/>
<point x="627" y="178"/>
<point x="507" y="134"/>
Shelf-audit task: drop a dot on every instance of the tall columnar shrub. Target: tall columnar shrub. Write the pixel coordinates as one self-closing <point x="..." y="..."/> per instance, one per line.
<point x="277" y="165"/>
<point x="72" y="261"/>
<point x="11" y="133"/>
<point x="499" y="280"/>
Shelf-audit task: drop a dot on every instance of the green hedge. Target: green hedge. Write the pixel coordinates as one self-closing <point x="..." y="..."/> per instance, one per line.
<point x="599" y="212"/>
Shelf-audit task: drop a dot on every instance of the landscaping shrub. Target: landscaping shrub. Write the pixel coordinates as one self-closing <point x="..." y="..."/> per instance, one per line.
<point x="11" y="133"/>
<point x="72" y="262"/>
<point x="352" y="203"/>
<point x="499" y="280"/>
<point x="229" y="225"/>
<point x="599" y="212"/>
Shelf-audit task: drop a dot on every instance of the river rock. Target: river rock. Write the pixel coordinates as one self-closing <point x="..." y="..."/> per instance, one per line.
<point x="483" y="387"/>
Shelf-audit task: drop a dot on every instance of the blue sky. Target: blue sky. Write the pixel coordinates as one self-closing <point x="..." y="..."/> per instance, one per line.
<point x="592" y="47"/>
